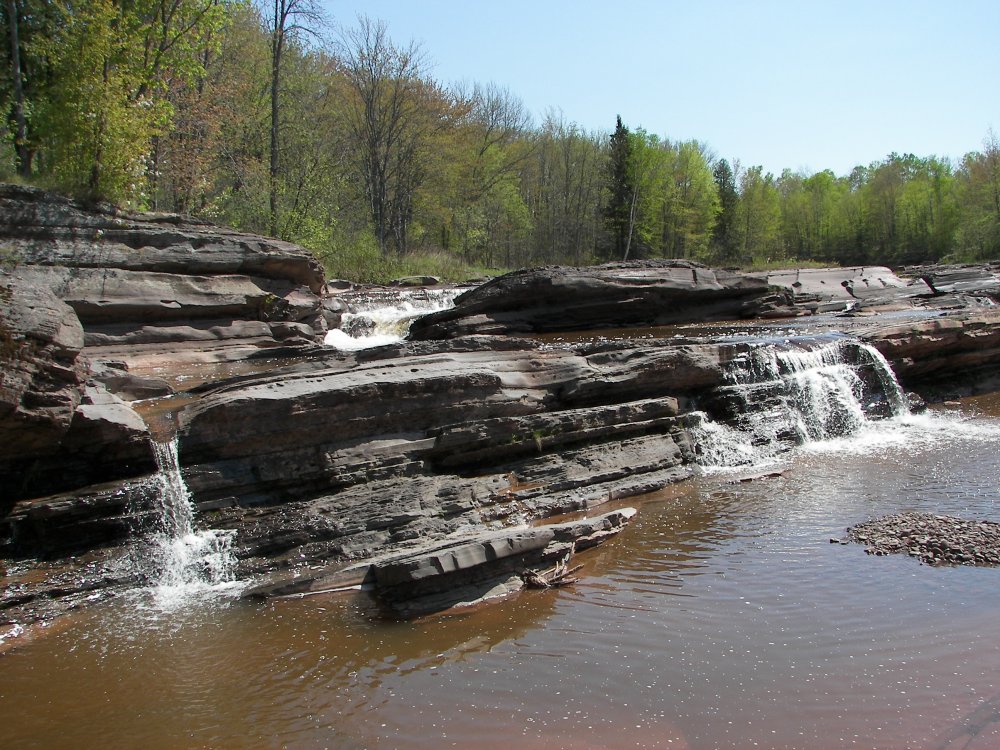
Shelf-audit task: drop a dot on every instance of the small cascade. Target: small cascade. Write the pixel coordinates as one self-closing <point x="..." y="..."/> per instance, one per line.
<point x="175" y="556"/>
<point x="379" y="319"/>
<point x="795" y="391"/>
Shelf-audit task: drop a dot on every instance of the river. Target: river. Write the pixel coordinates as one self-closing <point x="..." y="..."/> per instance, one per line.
<point x="723" y="617"/>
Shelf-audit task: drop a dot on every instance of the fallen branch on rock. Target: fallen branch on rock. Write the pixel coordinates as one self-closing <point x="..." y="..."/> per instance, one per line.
<point x="560" y="575"/>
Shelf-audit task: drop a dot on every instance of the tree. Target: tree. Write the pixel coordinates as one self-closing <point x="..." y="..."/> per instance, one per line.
<point x="648" y="173"/>
<point x="22" y="152"/>
<point x="759" y="217"/>
<point x="690" y="202"/>
<point x="391" y="116"/>
<point x="491" y="136"/>
<point x="815" y="216"/>
<point x="724" y="233"/>
<point x="288" y="19"/>
<point x="618" y="207"/>
<point x="102" y="96"/>
<point x="978" y="187"/>
<point x="562" y="185"/>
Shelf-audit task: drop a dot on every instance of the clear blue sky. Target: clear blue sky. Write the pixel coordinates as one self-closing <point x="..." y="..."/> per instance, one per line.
<point x="805" y="85"/>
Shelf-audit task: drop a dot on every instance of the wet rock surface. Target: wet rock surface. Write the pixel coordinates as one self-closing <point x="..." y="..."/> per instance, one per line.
<point x="462" y="570"/>
<point x="319" y="459"/>
<point x="943" y="357"/>
<point x="484" y="435"/>
<point x="855" y="289"/>
<point x="980" y="280"/>
<point x="933" y="539"/>
<point x="90" y="294"/>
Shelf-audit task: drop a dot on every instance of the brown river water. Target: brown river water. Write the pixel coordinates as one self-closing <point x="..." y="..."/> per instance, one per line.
<point x="723" y="617"/>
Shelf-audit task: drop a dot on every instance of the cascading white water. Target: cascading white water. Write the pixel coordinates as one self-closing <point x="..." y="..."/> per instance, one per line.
<point x="376" y="323"/>
<point x="794" y="392"/>
<point x="177" y="555"/>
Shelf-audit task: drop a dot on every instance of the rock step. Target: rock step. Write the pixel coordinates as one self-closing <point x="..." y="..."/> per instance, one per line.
<point x="459" y="571"/>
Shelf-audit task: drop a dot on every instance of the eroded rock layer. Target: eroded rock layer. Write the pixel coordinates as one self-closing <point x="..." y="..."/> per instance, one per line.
<point x="350" y="456"/>
<point x="559" y="298"/>
<point x="92" y="297"/>
<point x="333" y="467"/>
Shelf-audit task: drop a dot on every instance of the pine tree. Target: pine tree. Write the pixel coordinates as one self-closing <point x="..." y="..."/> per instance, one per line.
<point x="724" y="240"/>
<point x="619" y="189"/>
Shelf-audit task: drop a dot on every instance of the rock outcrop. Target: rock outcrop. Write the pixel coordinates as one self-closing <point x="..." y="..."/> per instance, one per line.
<point x="41" y="380"/>
<point x="977" y="280"/>
<point x="57" y="432"/>
<point x="350" y="456"/>
<point x="822" y="290"/>
<point x="943" y="357"/>
<point x="655" y="293"/>
<point x="90" y="293"/>
<point x="462" y="571"/>
<point x="416" y="468"/>
<point x="558" y="298"/>
<point x="160" y="279"/>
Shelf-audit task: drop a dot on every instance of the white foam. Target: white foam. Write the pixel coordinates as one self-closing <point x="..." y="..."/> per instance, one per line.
<point x="14" y="630"/>
<point x="809" y="392"/>
<point x="174" y="557"/>
<point x="911" y="431"/>
<point x="388" y="324"/>
<point x="347" y="343"/>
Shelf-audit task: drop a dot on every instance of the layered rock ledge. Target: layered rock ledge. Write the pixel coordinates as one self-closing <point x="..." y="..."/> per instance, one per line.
<point x="91" y="297"/>
<point x="667" y="292"/>
<point x="327" y="465"/>
<point x="558" y="298"/>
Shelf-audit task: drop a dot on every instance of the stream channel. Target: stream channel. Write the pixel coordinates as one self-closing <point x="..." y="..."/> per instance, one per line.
<point x="722" y="617"/>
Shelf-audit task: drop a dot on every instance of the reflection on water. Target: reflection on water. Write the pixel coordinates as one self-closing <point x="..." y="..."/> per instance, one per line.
<point x="723" y="617"/>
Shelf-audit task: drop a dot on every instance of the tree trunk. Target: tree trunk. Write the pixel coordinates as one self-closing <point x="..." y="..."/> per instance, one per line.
<point x="20" y="136"/>
<point x="97" y="169"/>
<point x="631" y="224"/>
<point x="277" y="42"/>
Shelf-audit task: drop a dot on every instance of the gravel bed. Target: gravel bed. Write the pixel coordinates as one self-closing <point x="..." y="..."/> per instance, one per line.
<point x="935" y="540"/>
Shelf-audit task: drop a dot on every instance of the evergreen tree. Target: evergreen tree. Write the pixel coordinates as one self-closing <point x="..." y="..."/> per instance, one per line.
<point x="619" y="189"/>
<point x="724" y="236"/>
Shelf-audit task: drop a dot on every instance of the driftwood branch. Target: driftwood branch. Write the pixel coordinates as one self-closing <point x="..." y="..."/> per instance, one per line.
<point x="560" y="575"/>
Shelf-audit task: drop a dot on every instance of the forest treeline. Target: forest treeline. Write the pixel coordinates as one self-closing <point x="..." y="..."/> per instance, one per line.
<point x="259" y="116"/>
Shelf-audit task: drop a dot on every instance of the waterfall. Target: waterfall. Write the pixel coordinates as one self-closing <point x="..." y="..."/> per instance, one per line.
<point x="789" y="392"/>
<point x="174" y="555"/>
<point x="380" y="319"/>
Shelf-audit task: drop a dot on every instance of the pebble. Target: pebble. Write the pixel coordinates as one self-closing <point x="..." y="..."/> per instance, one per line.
<point x="934" y="539"/>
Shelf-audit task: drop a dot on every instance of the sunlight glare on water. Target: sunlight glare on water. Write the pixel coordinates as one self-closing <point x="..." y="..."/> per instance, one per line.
<point x="722" y="617"/>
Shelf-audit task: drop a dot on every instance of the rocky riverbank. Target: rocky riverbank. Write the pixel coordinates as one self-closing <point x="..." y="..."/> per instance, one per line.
<point x="325" y="465"/>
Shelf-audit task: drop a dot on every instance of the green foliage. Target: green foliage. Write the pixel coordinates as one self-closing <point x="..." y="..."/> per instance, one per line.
<point x="362" y="261"/>
<point x="384" y="172"/>
<point x="619" y="188"/>
<point x="690" y="203"/>
<point x="561" y="184"/>
<point x="100" y="101"/>
<point x="724" y="242"/>
<point x="93" y="128"/>
<point x="357" y="259"/>
<point x="759" y="218"/>
<point x="977" y="186"/>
